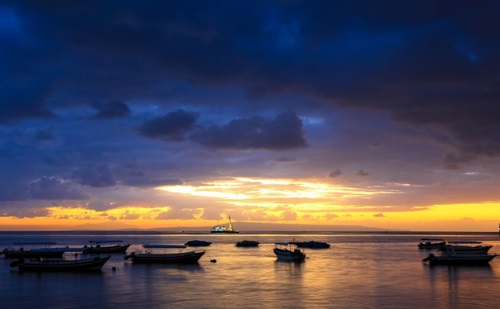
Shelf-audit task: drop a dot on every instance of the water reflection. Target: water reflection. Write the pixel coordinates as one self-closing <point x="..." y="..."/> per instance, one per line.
<point x="359" y="271"/>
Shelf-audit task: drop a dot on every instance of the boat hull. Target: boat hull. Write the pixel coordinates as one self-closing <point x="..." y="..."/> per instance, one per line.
<point x="40" y="265"/>
<point x="191" y="257"/>
<point x="198" y="243"/>
<point x="107" y="249"/>
<point x="247" y="243"/>
<point x="460" y="259"/>
<point x="311" y="244"/>
<point x="15" y="254"/>
<point x="467" y="249"/>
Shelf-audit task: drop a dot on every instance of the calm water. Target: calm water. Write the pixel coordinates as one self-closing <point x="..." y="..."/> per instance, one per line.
<point x="359" y="271"/>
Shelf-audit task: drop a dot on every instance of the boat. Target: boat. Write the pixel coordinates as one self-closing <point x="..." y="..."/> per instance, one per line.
<point x="38" y="249"/>
<point x="288" y="252"/>
<point x="188" y="257"/>
<point x="467" y="247"/>
<point x="311" y="244"/>
<point x="247" y="243"/>
<point x="222" y="229"/>
<point x="42" y="264"/>
<point x="106" y="246"/>
<point x="197" y="243"/>
<point x="453" y="258"/>
<point x="431" y="243"/>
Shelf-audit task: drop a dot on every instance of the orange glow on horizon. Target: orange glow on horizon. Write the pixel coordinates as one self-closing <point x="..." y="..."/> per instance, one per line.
<point x="273" y="201"/>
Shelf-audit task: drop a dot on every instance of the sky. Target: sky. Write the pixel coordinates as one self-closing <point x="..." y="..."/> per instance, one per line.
<point x="161" y="114"/>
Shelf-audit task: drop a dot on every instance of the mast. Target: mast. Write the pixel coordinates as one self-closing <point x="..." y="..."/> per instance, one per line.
<point x="230" y="225"/>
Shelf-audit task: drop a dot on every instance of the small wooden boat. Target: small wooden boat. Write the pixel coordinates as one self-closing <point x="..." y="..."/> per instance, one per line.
<point x="106" y="246"/>
<point x="37" y="249"/>
<point x="311" y="244"/>
<point x="431" y="243"/>
<point x="288" y="252"/>
<point x="247" y="243"/>
<point x="450" y="258"/>
<point x="197" y="243"/>
<point x="188" y="257"/>
<point x="41" y="264"/>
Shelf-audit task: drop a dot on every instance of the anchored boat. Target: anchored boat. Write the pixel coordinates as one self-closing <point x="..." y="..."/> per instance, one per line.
<point x="42" y="264"/>
<point x="188" y="257"/>
<point x="36" y="250"/>
<point x="106" y="246"/>
<point x="288" y="252"/>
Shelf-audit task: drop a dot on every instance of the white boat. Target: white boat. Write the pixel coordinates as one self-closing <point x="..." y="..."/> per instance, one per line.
<point x="222" y="229"/>
<point x="149" y="256"/>
<point x="467" y="247"/>
<point x="453" y="258"/>
<point x="288" y="252"/>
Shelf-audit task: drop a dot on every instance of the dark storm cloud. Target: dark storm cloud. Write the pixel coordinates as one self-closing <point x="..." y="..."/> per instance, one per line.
<point x="283" y="132"/>
<point x="424" y="62"/>
<point x="112" y="109"/>
<point x="95" y="176"/>
<point x="51" y="188"/>
<point x="170" y="127"/>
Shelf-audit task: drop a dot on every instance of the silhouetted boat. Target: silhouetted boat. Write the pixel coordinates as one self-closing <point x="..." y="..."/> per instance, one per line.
<point x="106" y="246"/>
<point x="452" y="258"/>
<point x="247" y="243"/>
<point x="288" y="252"/>
<point x="467" y="247"/>
<point x="38" y="249"/>
<point x="311" y="244"/>
<point x="222" y="229"/>
<point x="431" y="243"/>
<point x="188" y="257"/>
<point x="197" y="243"/>
<point x="42" y="264"/>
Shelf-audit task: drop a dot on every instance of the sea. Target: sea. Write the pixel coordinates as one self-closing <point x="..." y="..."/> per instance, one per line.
<point x="359" y="270"/>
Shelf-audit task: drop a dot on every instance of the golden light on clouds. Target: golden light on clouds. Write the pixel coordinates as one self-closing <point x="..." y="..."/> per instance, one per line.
<point x="266" y="192"/>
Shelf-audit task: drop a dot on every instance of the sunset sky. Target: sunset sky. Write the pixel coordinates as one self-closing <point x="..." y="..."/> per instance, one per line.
<point x="159" y="114"/>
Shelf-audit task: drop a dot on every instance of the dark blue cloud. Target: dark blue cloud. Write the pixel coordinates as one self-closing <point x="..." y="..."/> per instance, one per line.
<point x="94" y="176"/>
<point x="51" y="188"/>
<point x="170" y="127"/>
<point x="112" y="109"/>
<point x="283" y="132"/>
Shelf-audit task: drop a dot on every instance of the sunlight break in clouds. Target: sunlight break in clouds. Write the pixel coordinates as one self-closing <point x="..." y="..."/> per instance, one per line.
<point x="243" y="191"/>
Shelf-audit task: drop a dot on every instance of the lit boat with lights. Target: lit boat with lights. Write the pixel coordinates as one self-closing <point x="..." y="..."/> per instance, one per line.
<point x="149" y="256"/>
<point x="49" y="264"/>
<point x="106" y="246"/>
<point x="222" y="229"/>
<point x="288" y="252"/>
